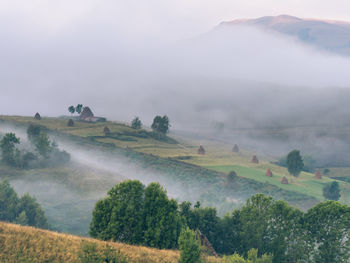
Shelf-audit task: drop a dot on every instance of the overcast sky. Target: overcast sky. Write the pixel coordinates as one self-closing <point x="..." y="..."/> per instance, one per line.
<point x="182" y="17"/>
<point x="126" y="57"/>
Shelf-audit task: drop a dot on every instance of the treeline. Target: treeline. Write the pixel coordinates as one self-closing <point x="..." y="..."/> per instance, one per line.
<point x="40" y="152"/>
<point x="20" y="210"/>
<point x="135" y="214"/>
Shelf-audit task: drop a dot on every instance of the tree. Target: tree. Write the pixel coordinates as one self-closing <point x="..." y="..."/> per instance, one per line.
<point x="328" y="226"/>
<point x="135" y="215"/>
<point x="295" y="163"/>
<point x="33" y="132"/>
<point x="331" y="191"/>
<point x="254" y="219"/>
<point x="205" y="219"/>
<point x="161" y="124"/>
<point x="126" y="215"/>
<point x="24" y="210"/>
<point x="284" y="236"/>
<point x="22" y="219"/>
<point x="71" y="109"/>
<point x="136" y="123"/>
<point x="162" y="223"/>
<point x="43" y="145"/>
<point x="8" y="202"/>
<point x="101" y="217"/>
<point x="119" y="216"/>
<point x="8" y="149"/>
<point x="229" y="236"/>
<point x="190" y="250"/>
<point x="35" y="215"/>
<point x="78" y="108"/>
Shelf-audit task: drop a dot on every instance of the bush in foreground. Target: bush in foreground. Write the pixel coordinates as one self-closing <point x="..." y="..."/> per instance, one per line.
<point x="190" y="250"/>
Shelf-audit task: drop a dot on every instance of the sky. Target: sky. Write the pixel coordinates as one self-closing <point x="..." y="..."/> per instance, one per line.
<point x="182" y="17"/>
<point x="142" y="58"/>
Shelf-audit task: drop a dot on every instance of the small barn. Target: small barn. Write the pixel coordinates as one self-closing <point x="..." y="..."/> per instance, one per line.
<point x="201" y="150"/>
<point x="255" y="159"/>
<point x="37" y="116"/>
<point x="87" y="115"/>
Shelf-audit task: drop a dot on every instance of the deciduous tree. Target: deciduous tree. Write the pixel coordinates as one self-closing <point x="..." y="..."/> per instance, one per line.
<point x="136" y="123"/>
<point x="331" y="191"/>
<point x="328" y="225"/>
<point x="161" y="124"/>
<point x="8" y="148"/>
<point x="295" y="163"/>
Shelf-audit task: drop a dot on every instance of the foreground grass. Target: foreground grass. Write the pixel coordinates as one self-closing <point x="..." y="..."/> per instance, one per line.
<point x="28" y="244"/>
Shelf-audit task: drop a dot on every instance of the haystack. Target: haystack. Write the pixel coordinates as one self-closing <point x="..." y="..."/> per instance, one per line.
<point x="255" y="159"/>
<point x="205" y="244"/>
<point x="86" y="113"/>
<point x="106" y="131"/>
<point x="284" y="180"/>
<point x="268" y="172"/>
<point x="235" y="148"/>
<point x="201" y="150"/>
<point x="70" y="123"/>
<point x="37" y="116"/>
<point x="318" y="174"/>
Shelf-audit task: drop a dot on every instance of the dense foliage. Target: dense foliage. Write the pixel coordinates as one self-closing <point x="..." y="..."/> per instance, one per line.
<point x="24" y="210"/>
<point x="41" y="151"/>
<point x="190" y="249"/>
<point x="251" y="258"/>
<point x="272" y="227"/>
<point x="137" y="215"/>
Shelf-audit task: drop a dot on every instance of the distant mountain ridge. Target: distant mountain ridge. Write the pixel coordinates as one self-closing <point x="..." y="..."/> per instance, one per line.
<point x="330" y="35"/>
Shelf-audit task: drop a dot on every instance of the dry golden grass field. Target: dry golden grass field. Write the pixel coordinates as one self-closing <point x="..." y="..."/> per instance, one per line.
<point x="27" y="244"/>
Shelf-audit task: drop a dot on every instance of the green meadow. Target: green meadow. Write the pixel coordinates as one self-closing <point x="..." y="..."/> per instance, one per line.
<point x="218" y="157"/>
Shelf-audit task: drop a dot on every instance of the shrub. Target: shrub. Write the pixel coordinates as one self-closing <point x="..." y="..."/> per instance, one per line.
<point x="231" y="176"/>
<point x="190" y="250"/>
<point x="331" y="191"/>
<point x="91" y="254"/>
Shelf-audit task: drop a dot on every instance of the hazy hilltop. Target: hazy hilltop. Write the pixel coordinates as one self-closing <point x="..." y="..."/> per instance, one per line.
<point x="330" y="35"/>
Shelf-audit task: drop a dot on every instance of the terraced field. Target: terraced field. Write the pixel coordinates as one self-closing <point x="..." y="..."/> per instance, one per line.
<point x="218" y="155"/>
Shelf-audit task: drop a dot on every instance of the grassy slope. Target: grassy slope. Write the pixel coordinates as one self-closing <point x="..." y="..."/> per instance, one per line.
<point x="67" y="193"/>
<point x="218" y="158"/>
<point x="28" y="244"/>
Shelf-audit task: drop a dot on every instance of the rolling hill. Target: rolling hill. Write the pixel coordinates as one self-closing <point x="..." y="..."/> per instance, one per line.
<point x="99" y="162"/>
<point x="328" y="35"/>
<point x="28" y="244"/>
